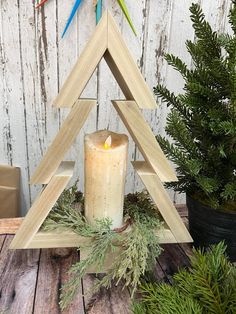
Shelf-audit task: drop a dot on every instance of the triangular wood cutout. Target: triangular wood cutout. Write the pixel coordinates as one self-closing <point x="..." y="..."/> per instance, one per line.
<point x="42" y="206"/>
<point x="107" y="42"/>
<point x="163" y="201"/>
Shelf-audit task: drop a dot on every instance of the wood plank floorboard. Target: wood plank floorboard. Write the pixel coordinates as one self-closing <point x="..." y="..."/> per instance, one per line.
<point x="30" y="280"/>
<point x="18" y="273"/>
<point x="53" y="273"/>
<point x="172" y="259"/>
<point x="112" y="301"/>
<point x="2" y="239"/>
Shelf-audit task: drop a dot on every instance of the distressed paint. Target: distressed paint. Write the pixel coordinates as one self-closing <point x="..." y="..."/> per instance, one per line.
<point x="35" y="61"/>
<point x="15" y="132"/>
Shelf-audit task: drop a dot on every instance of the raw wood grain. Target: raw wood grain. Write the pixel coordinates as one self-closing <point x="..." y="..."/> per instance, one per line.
<point x="145" y="139"/>
<point x="107" y="117"/>
<point x="172" y="259"/>
<point x="53" y="267"/>
<point x="70" y="239"/>
<point x="115" y="300"/>
<point x="66" y="239"/>
<point x="2" y="239"/>
<point x="42" y="206"/>
<point x="84" y="67"/>
<point x="18" y="273"/>
<point x="163" y="201"/>
<point x="63" y="140"/>
<point x="10" y="225"/>
<point x="107" y="40"/>
<point x="56" y="240"/>
<point x="125" y="69"/>
<point x="24" y="294"/>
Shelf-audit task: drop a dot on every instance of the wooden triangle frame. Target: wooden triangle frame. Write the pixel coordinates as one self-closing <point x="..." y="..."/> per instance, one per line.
<point x="52" y="171"/>
<point x="107" y="42"/>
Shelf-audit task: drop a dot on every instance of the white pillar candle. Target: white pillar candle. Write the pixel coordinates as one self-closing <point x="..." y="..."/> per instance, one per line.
<point x="105" y="170"/>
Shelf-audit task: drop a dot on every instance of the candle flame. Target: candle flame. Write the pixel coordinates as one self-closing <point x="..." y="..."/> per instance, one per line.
<point x="107" y="143"/>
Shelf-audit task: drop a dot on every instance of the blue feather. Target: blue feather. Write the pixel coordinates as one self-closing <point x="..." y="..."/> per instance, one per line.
<point x="98" y="11"/>
<point x="74" y="9"/>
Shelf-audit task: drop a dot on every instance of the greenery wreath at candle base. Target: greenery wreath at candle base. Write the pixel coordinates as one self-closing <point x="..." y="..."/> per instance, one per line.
<point x="139" y="243"/>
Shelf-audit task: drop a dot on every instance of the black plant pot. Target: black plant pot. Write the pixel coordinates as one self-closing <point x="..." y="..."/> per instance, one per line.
<point x="209" y="226"/>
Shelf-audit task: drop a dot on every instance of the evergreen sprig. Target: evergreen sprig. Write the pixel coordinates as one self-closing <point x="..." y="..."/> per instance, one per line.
<point x="208" y="286"/>
<point x="202" y="120"/>
<point x="139" y="247"/>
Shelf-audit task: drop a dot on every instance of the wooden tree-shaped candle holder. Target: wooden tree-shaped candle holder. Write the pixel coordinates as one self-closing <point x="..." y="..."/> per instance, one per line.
<point x="106" y="42"/>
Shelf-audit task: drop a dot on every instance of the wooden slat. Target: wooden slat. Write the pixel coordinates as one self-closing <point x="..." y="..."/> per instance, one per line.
<point x="118" y="76"/>
<point x="172" y="259"/>
<point x="18" y="273"/>
<point x="10" y="225"/>
<point x="63" y="141"/>
<point x="56" y="240"/>
<point x="163" y="201"/>
<point x="115" y="300"/>
<point x="108" y="42"/>
<point x="53" y="273"/>
<point x="2" y="239"/>
<point x="125" y="69"/>
<point x="42" y="206"/>
<point x="71" y="239"/>
<point x="145" y="139"/>
<point x="84" y="67"/>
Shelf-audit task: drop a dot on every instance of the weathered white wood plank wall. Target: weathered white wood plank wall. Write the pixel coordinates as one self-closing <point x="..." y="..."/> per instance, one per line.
<point x="35" y="61"/>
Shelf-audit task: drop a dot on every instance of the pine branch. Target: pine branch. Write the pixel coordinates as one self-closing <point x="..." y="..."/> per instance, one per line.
<point x="139" y="247"/>
<point x="172" y="100"/>
<point x="177" y="129"/>
<point x="100" y="246"/>
<point x="202" y="120"/>
<point x="232" y="16"/>
<point x="208" y="286"/>
<point x="179" y="65"/>
<point x="203" y="31"/>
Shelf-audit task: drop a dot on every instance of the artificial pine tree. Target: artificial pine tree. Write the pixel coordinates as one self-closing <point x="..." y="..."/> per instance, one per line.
<point x="202" y="120"/>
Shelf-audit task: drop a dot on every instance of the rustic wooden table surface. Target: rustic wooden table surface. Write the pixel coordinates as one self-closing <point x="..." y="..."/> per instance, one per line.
<point x="30" y="280"/>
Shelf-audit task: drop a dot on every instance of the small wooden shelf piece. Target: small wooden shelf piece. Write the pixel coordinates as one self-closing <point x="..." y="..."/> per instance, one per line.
<point x="145" y="139"/>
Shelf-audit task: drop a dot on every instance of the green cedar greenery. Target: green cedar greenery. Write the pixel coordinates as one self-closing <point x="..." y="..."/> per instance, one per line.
<point x="209" y="286"/>
<point x="140" y="245"/>
<point x="202" y="120"/>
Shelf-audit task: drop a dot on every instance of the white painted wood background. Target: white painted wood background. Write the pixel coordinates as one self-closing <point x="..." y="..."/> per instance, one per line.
<point x="35" y="61"/>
